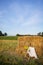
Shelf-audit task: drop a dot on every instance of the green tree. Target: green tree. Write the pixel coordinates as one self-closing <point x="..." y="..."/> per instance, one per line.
<point x="17" y="34"/>
<point x="1" y="33"/>
<point x="5" y="34"/>
<point x="42" y="33"/>
<point x="39" y="34"/>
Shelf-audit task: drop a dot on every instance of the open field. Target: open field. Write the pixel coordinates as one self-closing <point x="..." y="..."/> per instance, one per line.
<point x="10" y="51"/>
<point x="7" y="51"/>
<point x="8" y="37"/>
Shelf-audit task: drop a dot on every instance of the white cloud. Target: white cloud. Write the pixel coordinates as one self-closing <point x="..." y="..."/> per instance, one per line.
<point x="21" y="17"/>
<point x="33" y="20"/>
<point x="26" y="14"/>
<point x="2" y="13"/>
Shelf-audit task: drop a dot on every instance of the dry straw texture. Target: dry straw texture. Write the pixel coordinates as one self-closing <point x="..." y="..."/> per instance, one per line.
<point x="25" y="41"/>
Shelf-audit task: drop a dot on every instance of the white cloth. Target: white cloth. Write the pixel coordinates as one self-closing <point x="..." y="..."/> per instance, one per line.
<point x="32" y="53"/>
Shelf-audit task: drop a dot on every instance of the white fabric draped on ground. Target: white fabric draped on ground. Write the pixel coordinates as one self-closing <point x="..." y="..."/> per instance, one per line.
<point x="32" y="53"/>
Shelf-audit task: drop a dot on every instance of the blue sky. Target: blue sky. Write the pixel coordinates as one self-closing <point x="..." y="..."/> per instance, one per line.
<point x="21" y="16"/>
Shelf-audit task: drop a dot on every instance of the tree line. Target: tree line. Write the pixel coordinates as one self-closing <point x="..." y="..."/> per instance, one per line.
<point x="38" y="34"/>
<point x="3" y="34"/>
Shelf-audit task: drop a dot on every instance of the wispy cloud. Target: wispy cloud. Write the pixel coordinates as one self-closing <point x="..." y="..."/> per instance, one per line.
<point x="0" y="14"/>
<point x="34" y="19"/>
<point x="22" y="16"/>
<point x="26" y="15"/>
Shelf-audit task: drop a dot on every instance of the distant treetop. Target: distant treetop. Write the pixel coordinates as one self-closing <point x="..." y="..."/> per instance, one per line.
<point x="40" y="34"/>
<point x="1" y="34"/>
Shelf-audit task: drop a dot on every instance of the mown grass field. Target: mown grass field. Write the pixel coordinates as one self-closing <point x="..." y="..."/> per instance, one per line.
<point x="8" y="37"/>
<point x="8" y="54"/>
